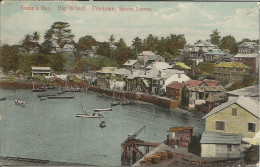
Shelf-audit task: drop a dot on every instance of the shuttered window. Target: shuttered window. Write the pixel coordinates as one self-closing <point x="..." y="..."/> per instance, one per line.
<point x="220" y="125"/>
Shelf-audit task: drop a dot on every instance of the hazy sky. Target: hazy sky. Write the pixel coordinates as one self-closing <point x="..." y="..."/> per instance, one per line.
<point x="196" y="20"/>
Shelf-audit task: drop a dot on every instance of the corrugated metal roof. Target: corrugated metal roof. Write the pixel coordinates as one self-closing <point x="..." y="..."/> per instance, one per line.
<point x="220" y="138"/>
<point x="232" y="65"/>
<point x="178" y="129"/>
<point x="130" y="62"/>
<point x="41" y="68"/>
<point x="245" y="102"/>
<point x="193" y="82"/>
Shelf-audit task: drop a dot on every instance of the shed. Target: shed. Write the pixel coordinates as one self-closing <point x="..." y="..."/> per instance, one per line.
<point x="180" y="136"/>
<point x="214" y="144"/>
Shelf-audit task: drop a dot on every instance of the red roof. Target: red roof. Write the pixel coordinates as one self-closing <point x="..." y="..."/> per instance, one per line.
<point x="211" y="82"/>
<point x="193" y="82"/>
<point x="176" y="85"/>
<point x="178" y="129"/>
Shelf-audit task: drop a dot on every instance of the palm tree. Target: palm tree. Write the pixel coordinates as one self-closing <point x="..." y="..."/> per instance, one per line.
<point x="36" y="37"/>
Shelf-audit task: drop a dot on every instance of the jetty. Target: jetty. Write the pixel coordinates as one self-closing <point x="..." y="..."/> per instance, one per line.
<point x="61" y="97"/>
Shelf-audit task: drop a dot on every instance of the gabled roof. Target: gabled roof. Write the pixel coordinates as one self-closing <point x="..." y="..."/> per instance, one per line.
<point x="122" y="71"/>
<point x="193" y="82"/>
<point x="147" y="53"/>
<point x="248" y="44"/>
<point x="130" y="62"/>
<point x="220" y="138"/>
<point x="206" y="88"/>
<point x="232" y="65"/>
<point x="176" y="85"/>
<point x="215" y="52"/>
<point x="211" y="82"/>
<point x="245" y="102"/>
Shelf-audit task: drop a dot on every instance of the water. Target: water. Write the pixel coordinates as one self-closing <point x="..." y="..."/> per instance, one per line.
<point x="50" y="130"/>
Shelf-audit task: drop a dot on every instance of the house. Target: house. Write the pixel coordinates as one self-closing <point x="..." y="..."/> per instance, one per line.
<point x="164" y="78"/>
<point x="174" y="90"/>
<point x="132" y="65"/>
<point x="147" y="57"/>
<point x="182" y="66"/>
<point x="106" y="77"/>
<point x="238" y="116"/>
<point x="91" y="77"/>
<point x="158" y="66"/>
<point x="251" y="91"/>
<point x="120" y="78"/>
<point x="179" y="136"/>
<point x="227" y="58"/>
<point x="247" y="48"/>
<point x="41" y="71"/>
<point x="214" y="54"/>
<point x="225" y="145"/>
<point x="68" y="48"/>
<point x="132" y="81"/>
<point x="197" y="51"/>
<point x="230" y="71"/>
<point x="251" y="60"/>
<point x="197" y="95"/>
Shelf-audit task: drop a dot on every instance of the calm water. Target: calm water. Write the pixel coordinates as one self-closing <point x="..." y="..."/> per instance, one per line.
<point x="50" y="129"/>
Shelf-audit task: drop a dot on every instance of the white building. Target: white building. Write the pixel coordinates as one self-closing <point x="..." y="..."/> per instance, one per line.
<point x="41" y="71"/>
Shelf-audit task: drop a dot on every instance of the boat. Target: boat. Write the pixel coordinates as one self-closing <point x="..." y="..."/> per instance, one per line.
<point x="43" y="98"/>
<point x="102" y="124"/>
<point x="20" y="102"/>
<point x="114" y="103"/>
<point x="72" y="90"/>
<point x="103" y="109"/>
<point x="125" y="102"/>
<point x="45" y="95"/>
<point x="61" y="97"/>
<point x="2" y="99"/>
<point x="88" y="115"/>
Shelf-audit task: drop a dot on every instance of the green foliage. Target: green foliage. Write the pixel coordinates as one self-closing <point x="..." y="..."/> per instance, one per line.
<point x="57" y="62"/>
<point x="229" y="42"/>
<point x="215" y="37"/>
<point x="205" y="66"/>
<point x="104" y="49"/>
<point x="251" y="155"/>
<point x="8" y="58"/>
<point x="86" y="42"/>
<point x="137" y="45"/>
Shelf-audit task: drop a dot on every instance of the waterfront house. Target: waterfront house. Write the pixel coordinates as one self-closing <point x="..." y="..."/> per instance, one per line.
<point x="238" y="116"/>
<point x="132" y="65"/>
<point x="251" y="60"/>
<point x="179" y="136"/>
<point x="174" y="90"/>
<point x="120" y="78"/>
<point x="225" y="145"/>
<point x="165" y="77"/>
<point x="106" y="77"/>
<point x="228" y="72"/>
<point x="131" y="80"/>
<point x="41" y="71"/>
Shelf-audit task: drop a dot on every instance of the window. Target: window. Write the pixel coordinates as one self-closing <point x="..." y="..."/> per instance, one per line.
<point x="234" y="112"/>
<point x="251" y="127"/>
<point x="220" y="125"/>
<point x="229" y="147"/>
<point x="179" y="75"/>
<point x="201" y="95"/>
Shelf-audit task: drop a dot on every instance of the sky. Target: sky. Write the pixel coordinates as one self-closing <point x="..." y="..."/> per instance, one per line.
<point x="196" y="20"/>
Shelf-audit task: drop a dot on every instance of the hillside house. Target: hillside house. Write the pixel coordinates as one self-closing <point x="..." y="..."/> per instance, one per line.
<point x="238" y="116"/>
<point x="41" y="71"/>
<point x="248" y="48"/>
<point x="230" y="71"/>
<point x="182" y="66"/>
<point x="250" y="60"/>
<point x="214" y="55"/>
<point x="147" y="57"/>
<point x="132" y="65"/>
<point x="251" y="91"/>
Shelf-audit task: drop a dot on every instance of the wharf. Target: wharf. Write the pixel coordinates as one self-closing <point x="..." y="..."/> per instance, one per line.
<point x="61" y="97"/>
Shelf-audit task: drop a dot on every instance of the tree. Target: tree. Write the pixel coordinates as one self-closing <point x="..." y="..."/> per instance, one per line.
<point x="9" y="58"/>
<point x="111" y="39"/>
<point x="215" y="37"/>
<point x="61" y="34"/>
<point x="46" y="46"/>
<point x="151" y="43"/>
<point x="57" y="62"/>
<point x="137" y="45"/>
<point x="229" y="43"/>
<point x="27" y="42"/>
<point x="36" y="37"/>
<point x="86" y="42"/>
<point x="104" y="49"/>
<point x="120" y="44"/>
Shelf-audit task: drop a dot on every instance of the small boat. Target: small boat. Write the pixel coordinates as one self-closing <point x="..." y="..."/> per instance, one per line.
<point x="125" y="102"/>
<point x="45" y="95"/>
<point x="72" y="90"/>
<point x="43" y="98"/>
<point x="102" y="124"/>
<point x="2" y="99"/>
<point x="88" y="115"/>
<point x="20" y="102"/>
<point x="103" y="109"/>
<point x="114" y="103"/>
<point x="61" y="97"/>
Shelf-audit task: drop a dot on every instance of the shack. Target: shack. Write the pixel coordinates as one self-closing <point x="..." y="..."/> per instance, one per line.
<point x="179" y="136"/>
